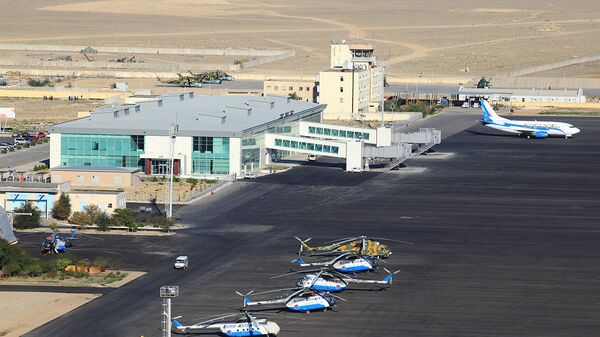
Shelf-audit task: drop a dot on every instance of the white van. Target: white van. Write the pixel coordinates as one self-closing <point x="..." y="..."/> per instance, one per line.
<point x="181" y="262"/>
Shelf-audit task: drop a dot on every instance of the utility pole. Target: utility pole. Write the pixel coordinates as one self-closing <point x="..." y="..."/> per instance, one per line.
<point x="173" y="134"/>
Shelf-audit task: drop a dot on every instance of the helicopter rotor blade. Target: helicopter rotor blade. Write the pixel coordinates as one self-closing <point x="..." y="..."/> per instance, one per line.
<point x="393" y="240"/>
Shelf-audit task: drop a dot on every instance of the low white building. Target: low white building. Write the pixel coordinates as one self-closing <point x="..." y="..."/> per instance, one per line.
<point x="522" y="95"/>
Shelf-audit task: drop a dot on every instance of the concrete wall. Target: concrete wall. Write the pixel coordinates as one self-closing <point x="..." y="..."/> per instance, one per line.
<point x="55" y="149"/>
<point x="373" y="116"/>
<point x="235" y="156"/>
<point x="545" y="82"/>
<point x="180" y="67"/>
<point x="150" y="50"/>
<point x="555" y="65"/>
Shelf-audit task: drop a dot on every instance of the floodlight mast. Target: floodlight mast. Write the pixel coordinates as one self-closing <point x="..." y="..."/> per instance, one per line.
<point x="173" y="134"/>
<point x="166" y="293"/>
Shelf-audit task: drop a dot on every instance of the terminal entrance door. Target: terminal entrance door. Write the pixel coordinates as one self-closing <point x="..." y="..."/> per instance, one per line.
<point x="162" y="167"/>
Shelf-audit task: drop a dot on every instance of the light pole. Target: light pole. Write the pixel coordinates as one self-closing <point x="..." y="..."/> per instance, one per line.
<point x="173" y="135"/>
<point x="166" y="294"/>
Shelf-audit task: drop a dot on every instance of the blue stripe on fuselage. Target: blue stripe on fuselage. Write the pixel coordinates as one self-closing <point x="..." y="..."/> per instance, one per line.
<point x="327" y="288"/>
<point x="309" y="307"/>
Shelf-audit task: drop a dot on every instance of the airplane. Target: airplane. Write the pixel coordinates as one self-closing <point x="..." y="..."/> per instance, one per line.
<point x="234" y="325"/>
<point x="334" y="281"/>
<point x="55" y="244"/>
<point x="344" y="263"/>
<point x="361" y="244"/>
<point x="301" y="300"/>
<point x="536" y="129"/>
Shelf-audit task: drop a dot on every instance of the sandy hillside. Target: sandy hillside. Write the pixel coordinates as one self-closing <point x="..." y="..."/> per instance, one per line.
<point x="417" y="37"/>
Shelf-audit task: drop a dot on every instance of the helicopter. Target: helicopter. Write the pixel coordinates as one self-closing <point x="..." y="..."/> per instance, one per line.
<point x="334" y="281"/>
<point x="360" y="244"/>
<point x="234" y="324"/>
<point x="183" y="81"/>
<point x="303" y="299"/>
<point x="55" y="244"/>
<point x="344" y="263"/>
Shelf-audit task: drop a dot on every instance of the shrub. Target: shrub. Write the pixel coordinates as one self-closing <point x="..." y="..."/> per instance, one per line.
<point x="27" y="221"/>
<point x="62" y="209"/>
<point x="32" y="82"/>
<point x="124" y="217"/>
<point x="45" y="140"/>
<point x="26" y="145"/>
<point x="19" y="146"/>
<point x="33" y="143"/>
<point x="11" y="149"/>
<point x="3" y="151"/>
<point x="61" y="263"/>
<point x="93" y="212"/>
<point x="41" y="167"/>
<point x="162" y="222"/>
<point x="154" y="179"/>
<point x="14" y="261"/>
<point x="80" y="219"/>
<point x="176" y="179"/>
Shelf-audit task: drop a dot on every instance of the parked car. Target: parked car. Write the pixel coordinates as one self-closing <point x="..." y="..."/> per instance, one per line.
<point x="181" y="262"/>
<point x="312" y="157"/>
<point x="466" y="105"/>
<point x="21" y="140"/>
<point x="4" y="145"/>
<point x="39" y="136"/>
<point x="249" y="176"/>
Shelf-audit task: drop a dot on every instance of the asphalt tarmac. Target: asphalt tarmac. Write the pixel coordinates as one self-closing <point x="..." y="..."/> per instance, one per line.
<point x="505" y="237"/>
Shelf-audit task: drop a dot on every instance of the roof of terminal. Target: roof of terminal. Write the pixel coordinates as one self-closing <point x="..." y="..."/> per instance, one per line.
<point x="216" y="116"/>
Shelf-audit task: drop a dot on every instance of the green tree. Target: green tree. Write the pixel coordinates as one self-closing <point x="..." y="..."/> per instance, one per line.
<point x="124" y="217"/>
<point x="27" y="221"/>
<point x="103" y="221"/>
<point x="93" y="212"/>
<point x="61" y="263"/>
<point x="62" y="209"/>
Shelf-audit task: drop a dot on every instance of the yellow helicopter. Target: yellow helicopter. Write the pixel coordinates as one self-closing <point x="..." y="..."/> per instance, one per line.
<point x="362" y="245"/>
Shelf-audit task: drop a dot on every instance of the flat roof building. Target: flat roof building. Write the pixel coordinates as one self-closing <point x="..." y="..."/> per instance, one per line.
<point x="216" y="135"/>
<point x="354" y="84"/>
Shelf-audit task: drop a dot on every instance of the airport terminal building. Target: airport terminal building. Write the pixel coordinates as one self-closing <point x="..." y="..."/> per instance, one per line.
<point x="216" y="135"/>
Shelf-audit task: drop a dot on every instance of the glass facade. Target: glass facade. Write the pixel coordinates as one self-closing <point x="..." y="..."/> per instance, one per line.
<point x="101" y="150"/>
<point x="210" y="155"/>
<point x="292" y="144"/>
<point x="337" y="133"/>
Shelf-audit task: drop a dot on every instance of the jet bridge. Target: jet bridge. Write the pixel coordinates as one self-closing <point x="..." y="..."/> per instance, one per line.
<point x="356" y="145"/>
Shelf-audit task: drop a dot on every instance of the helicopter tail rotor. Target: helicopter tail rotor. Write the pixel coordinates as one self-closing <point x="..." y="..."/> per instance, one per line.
<point x="390" y="275"/>
<point x="245" y="297"/>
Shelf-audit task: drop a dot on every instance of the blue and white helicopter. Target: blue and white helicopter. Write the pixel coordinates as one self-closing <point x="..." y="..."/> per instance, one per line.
<point x="303" y="299"/>
<point x="55" y="244"/>
<point x="334" y="281"/>
<point x="344" y="263"/>
<point x="234" y="325"/>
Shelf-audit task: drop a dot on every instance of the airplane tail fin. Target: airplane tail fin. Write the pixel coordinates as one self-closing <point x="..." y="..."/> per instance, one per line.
<point x="489" y="115"/>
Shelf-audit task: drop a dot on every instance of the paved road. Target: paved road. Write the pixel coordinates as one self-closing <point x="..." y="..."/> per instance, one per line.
<point x="505" y="235"/>
<point x="23" y="157"/>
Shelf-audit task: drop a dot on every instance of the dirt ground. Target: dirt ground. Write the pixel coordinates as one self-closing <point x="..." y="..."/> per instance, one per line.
<point x="24" y="311"/>
<point x="418" y="38"/>
<point x="39" y="112"/>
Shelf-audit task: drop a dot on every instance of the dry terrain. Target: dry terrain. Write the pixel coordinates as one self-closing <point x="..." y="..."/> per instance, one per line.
<point x="23" y="311"/>
<point x="428" y="37"/>
<point x="40" y="112"/>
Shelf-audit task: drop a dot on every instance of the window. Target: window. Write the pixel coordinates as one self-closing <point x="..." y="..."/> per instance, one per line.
<point x="366" y="136"/>
<point x="318" y="147"/>
<point x="311" y="129"/>
<point x="290" y="88"/>
<point x="307" y="89"/>
<point x="341" y="89"/>
<point x="335" y="149"/>
<point x="341" y="78"/>
<point x="310" y="146"/>
<point x="110" y="205"/>
<point x="334" y="132"/>
<point x="327" y="148"/>
<point x="350" y="134"/>
<point x="95" y="146"/>
<point x="278" y="142"/>
<point x="203" y="144"/>
<point x="342" y="133"/>
<point x="341" y="100"/>
<point x="327" y="132"/>
<point x="319" y="131"/>
<point x="95" y="180"/>
<point x="302" y="145"/>
<point x="138" y="141"/>
<point x="294" y="144"/>
<point x="80" y="180"/>
<point x="301" y="88"/>
<point x="117" y="180"/>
